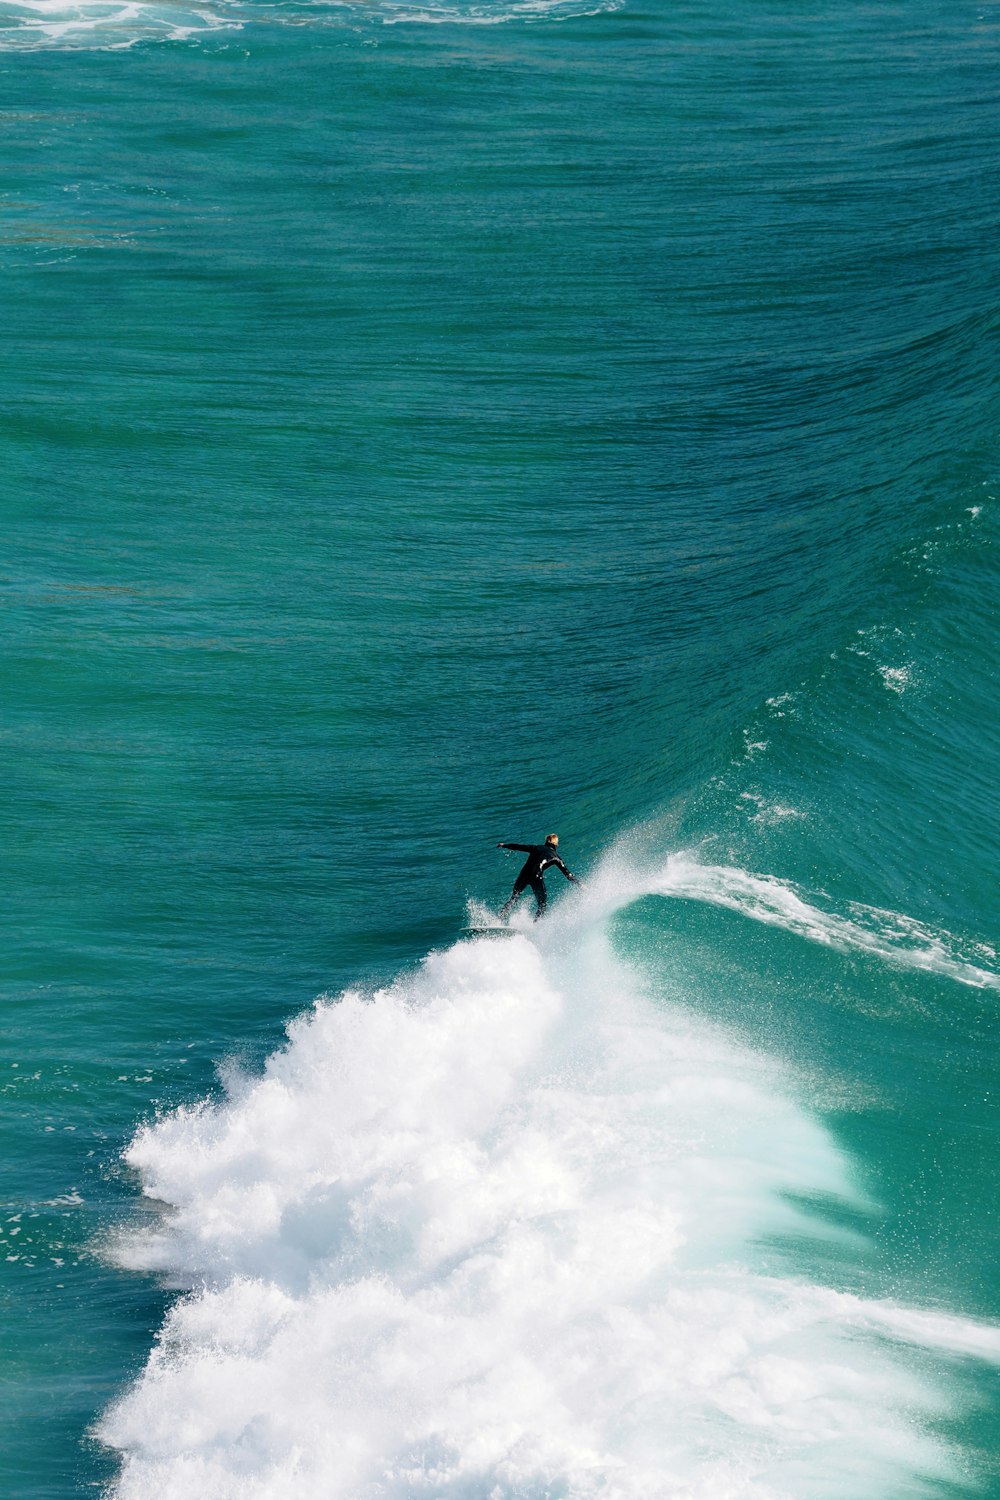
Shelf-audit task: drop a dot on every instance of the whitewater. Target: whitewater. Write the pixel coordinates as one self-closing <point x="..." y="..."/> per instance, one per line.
<point x="520" y="1225"/>
<point x="118" y="25"/>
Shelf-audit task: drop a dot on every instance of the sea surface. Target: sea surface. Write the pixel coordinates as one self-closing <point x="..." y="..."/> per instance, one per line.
<point x="427" y="423"/>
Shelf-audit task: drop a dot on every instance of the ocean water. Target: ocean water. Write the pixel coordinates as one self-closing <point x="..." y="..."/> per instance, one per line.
<point x="430" y="424"/>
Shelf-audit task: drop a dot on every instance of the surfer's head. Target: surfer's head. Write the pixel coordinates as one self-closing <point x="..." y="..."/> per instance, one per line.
<point x="553" y="839"/>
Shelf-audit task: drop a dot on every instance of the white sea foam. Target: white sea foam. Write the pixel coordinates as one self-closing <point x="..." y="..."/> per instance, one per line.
<point x="769" y="813"/>
<point x="27" y="25"/>
<point x="493" y="1233"/>
<point x="111" y="24"/>
<point x="889" y="935"/>
<point x="751" y="746"/>
<point x="393" y="12"/>
<point x="896" y="679"/>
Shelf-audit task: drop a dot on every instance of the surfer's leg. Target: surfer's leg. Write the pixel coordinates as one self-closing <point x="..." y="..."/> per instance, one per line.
<point x="538" y="886"/>
<point x="515" y="897"/>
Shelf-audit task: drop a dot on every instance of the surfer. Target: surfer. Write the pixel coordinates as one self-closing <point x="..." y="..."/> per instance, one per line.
<point x="540" y="858"/>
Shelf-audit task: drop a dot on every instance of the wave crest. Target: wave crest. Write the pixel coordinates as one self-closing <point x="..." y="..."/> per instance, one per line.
<point x="892" y="936"/>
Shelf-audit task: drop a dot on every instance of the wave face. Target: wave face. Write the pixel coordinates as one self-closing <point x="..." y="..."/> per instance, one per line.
<point x="510" y="1228"/>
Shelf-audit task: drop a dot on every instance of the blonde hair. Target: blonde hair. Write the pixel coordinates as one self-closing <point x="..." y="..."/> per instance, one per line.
<point x="552" y="838"/>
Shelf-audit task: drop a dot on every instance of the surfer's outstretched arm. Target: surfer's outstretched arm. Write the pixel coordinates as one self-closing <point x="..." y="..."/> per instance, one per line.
<point x="521" y="848"/>
<point x="560" y="866"/>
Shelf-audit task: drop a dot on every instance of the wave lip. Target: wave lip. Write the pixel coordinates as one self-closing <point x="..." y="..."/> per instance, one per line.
<point x="497" y="1234"/>
<point x="888" y="935"/>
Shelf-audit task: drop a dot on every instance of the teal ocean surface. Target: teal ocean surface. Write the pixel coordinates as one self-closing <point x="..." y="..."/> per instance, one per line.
<point x="435" y="422"/>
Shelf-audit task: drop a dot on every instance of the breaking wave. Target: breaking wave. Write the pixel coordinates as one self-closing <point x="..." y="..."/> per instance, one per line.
<point x="888" y="935"/>
<point x="511" y="1227"/>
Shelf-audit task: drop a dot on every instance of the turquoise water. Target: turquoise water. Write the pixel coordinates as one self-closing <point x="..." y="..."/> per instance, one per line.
<point x="435" y="425"/>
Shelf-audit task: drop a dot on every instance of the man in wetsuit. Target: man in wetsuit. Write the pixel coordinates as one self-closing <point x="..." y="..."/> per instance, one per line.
<point x="540" y="857"/>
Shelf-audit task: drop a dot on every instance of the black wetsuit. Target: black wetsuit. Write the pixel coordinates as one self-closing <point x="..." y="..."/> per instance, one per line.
<point x="540" y="858"/>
